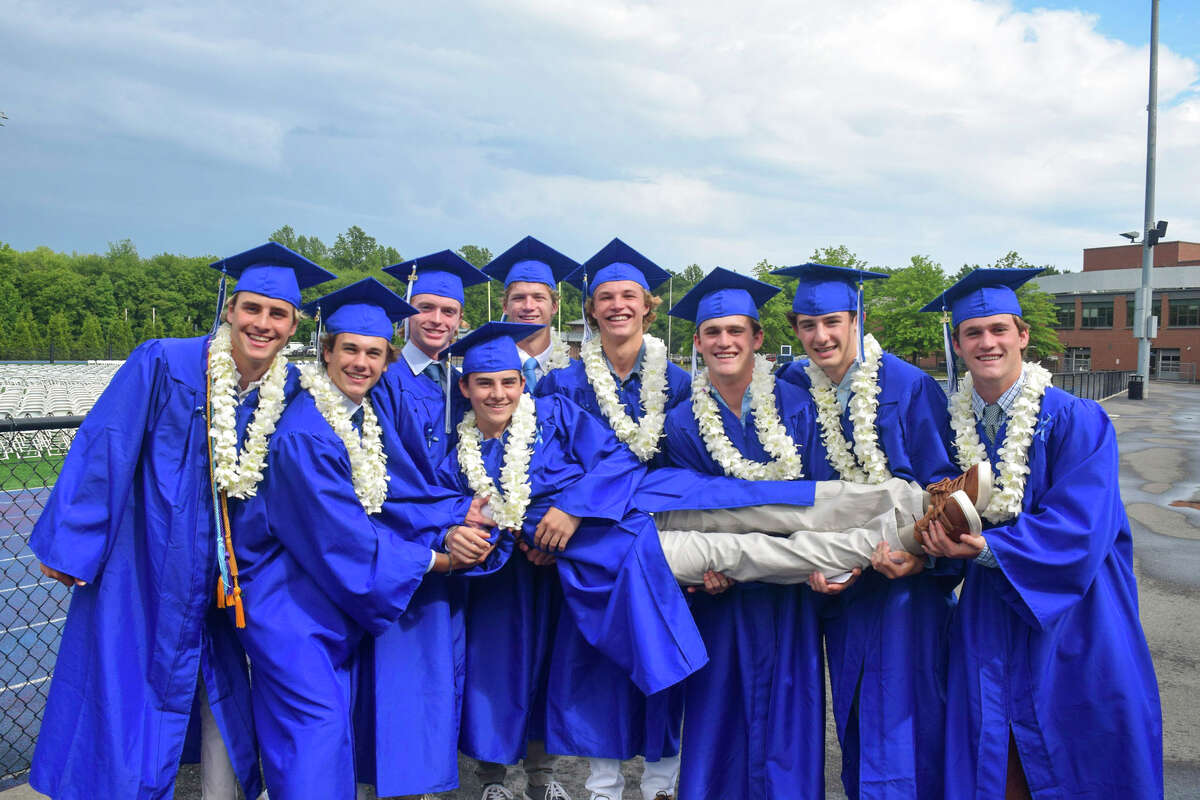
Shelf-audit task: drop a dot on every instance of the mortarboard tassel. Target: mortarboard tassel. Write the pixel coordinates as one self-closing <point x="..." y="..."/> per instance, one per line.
<point x="861" y="323"/>
<point x="951" y="367"/>
<point x="408" y="290"/>
<point x="220" y="306"/>
<point x="587" y="329"/>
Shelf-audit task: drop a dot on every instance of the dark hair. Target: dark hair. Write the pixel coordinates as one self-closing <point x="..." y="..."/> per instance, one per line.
<point x="328" y="340"/>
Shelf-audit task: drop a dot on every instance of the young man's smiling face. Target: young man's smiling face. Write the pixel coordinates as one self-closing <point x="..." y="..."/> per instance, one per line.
<point x="433" y="327"/>
<point x="260" y="326"/>
<point x="355" y="362"/>
<point x="830" y="341"/>
<point x="728" y="345"/>
<point x="619" y="308"/>
<point x="493" y="397"/>
<point x="530" y="302"/>
<point x="991" y="348"/>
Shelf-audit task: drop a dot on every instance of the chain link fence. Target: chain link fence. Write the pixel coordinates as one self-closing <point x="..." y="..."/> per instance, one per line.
<point x="33" y="607"/>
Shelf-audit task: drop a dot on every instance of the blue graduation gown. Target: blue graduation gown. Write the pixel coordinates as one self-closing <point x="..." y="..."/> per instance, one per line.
<point x="612" y="580"/>
<point x="132" y="515"/>
<point x="316" y="573"/>
<point x="421" y="402"/>
<point x="885" y="639"/>
<point x="755" y="721"/>
<point x="1049" y="645"/>
<point x="414" y="669"/>
<point x="615" y="720"/>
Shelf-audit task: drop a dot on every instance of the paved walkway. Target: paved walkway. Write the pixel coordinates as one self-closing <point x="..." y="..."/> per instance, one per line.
<point x="1160" y="476"/>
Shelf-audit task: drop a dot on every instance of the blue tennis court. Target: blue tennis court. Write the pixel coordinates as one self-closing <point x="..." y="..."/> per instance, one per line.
<point x="32" y="612"/>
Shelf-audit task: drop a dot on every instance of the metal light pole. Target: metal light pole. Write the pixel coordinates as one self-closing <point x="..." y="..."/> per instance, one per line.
<point x="1145" y="292"/>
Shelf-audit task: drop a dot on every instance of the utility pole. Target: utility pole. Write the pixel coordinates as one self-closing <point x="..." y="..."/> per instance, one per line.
<point x="1149" y="237"/>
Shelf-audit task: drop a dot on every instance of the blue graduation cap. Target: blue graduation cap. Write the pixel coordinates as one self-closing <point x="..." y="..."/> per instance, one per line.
<point x="981" y="293"/>
<point x="365" y="307"/>
<point x="826" y="289"/>
<point x="444" y="274"/>
<point x="722" y="293"/>
<point x="274" y="271"/>
<point x="618" y="261"/>
<point x="533" y="261"/>
<point x="492" y="347"/>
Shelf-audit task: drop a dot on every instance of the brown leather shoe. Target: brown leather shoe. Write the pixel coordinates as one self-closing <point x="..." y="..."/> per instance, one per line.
<point x="955" y="512"/>
<point x="975" y="482"/>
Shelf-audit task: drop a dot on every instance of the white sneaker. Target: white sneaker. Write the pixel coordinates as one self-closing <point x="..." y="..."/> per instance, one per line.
<point x="496" y="791"/>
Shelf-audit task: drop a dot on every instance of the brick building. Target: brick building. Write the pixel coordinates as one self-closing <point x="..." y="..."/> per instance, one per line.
<point x="1096" y="309"/>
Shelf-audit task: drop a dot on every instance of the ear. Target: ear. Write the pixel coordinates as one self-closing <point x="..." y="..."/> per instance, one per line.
<point x="462" y="387"/>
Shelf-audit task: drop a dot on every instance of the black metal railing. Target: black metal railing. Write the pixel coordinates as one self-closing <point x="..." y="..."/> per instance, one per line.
<point x="32" y="606"/>
<point x="1093" y="385"/>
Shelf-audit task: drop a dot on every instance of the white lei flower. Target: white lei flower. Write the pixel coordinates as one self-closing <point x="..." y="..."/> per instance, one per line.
<point x="560" y="352"/>
<point x="368" y="464"/>
<point x="508" y="506"/>
<point x="237" y="473"/>
<point x="1014" y="453"/>
<point x="785" y="464"/>
<point x="641" y="437"/>
<point x="864" y="404"/>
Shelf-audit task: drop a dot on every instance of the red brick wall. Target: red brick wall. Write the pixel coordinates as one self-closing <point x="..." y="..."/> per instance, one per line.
<point x="1129" y="256"/>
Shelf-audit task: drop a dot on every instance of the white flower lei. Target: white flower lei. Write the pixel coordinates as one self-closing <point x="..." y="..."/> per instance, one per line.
<point x="508" y="508"/>
<point x="1014" y="453"/>
<point x="864" y="404"/>
<point x="368" y="464"/>
<point x="785" y="465"/>
<point x="560" y="352"/>
<point x="237" y="473"/>
<point x="641" y="437"/>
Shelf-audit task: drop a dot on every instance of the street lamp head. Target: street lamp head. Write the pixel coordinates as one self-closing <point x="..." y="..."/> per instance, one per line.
<point x="1132" y="236"/>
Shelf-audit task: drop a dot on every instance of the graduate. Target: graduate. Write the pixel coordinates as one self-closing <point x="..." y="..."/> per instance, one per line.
<point x="561" y="482"/>
<point x="317" y="571"/>
<point x="1051" y="689"/>
<point x="878" y="417"/>
<point x="754" y="723"/>
<point x="626" y="381"/>
<point x="531" y="272"/>
<point x="132" y="525"/>
<point x="414" y="669"/>
<point x="414" y="394"/>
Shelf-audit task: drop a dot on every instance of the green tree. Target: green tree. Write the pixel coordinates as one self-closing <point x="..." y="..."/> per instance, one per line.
<point x="120" y="338"/>
<point x="59" y="336"/>
<point x="90" y="343"/>
<point x="839" y="256"/>
<point x="152" y="328"/>
<point x="26" y="338"/>
<point x="476" y="306"/>
<point x="353" y="249"/>
<point x="892" y="309"/>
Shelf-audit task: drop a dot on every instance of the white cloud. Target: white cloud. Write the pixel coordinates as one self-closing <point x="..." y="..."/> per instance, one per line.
<point x="702" y="131"/>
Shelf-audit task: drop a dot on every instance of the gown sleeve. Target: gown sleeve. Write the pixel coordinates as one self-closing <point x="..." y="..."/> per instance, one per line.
<point x="365" y="571"/>
<point x="1053" y="550"/>
<point x="74" y="534"/>
<point x="611" y="472"/>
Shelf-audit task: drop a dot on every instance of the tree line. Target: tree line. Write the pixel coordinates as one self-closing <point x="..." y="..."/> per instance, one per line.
<point x="88" y="306"/>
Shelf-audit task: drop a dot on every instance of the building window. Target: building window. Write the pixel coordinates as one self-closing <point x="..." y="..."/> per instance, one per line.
<point x="1185" y="313"/>
<point x="1066" y="315"/>
<point x="1097" y="315"/>
<point x="1167" y="362"/>
<point x="1131" y="309"/>
<point x="1077" y="359"/>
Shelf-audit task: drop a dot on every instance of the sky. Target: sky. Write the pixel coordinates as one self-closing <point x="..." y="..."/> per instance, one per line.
<point x="700" y="132"/>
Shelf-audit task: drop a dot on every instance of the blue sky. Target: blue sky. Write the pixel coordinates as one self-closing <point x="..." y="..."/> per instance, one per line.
<point x="700" y="132"/>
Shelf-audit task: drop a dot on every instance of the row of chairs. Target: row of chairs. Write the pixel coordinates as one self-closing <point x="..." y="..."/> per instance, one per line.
<point x="52" y="390"/>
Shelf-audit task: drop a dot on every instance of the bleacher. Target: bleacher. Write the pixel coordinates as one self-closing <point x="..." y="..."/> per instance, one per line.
<point x="52" y="390"/>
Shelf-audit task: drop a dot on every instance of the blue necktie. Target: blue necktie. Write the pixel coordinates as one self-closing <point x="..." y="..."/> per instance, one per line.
<point x="529" y="369"/>
<point x="993" y="415"/>
<point x="356" y="419"/>
<point x="434" y="370"/>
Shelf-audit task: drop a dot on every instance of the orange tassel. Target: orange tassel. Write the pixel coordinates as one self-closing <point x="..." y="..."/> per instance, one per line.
<point x="220" y="594"/>
<point x="239" y="611"/>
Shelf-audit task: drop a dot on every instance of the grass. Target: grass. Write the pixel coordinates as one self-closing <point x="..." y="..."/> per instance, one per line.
<point x="29" y="472"/>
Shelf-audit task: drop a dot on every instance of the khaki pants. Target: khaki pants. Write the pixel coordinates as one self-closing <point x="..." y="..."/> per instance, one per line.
<point x="786" y="543"/>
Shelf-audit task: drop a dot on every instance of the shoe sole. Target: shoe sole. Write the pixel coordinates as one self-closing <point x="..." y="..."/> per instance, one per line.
<point x="983" y="486"/>
<point x="969" y="512"/>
